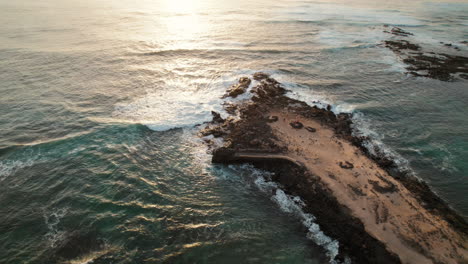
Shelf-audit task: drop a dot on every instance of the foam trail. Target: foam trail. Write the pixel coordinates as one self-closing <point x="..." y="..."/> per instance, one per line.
<point x="52" y="221"/>
<point x="163" y="111"/>
<point x="293" y="205"/>
<point x="9" y="167"/>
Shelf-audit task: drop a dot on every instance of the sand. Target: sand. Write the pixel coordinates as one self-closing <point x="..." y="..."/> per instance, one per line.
<point x="387" y="209"/>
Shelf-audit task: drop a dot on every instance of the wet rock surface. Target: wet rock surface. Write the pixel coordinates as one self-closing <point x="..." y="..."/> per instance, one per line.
<point x="252" y="133"/>
<point x="238" y="88"/>
<point x="397" y="31"/>
<point x="75" y="245"/>
<point x="440" y="66"/>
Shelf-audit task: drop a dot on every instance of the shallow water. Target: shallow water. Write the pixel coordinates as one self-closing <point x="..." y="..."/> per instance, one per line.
<point x="100" y="98"/>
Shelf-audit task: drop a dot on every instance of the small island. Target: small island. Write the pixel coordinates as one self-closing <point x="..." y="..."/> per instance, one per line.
<point x="377" y="212"/>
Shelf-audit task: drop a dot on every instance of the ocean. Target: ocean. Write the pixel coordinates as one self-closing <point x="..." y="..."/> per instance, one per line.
<point x="100" y="161"/>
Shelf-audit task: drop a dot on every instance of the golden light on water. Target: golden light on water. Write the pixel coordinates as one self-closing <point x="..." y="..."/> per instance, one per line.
<point x="182" y="6"/>
<point x="185" y="24"/>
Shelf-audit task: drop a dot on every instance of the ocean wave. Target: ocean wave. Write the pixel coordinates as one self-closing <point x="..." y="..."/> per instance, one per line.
<point x="162" y="111"/>
<point x="362" y="126"/>
<point x="175" y="107"/>
<point x="211" y="50"/>
<point x="336" y="12"/>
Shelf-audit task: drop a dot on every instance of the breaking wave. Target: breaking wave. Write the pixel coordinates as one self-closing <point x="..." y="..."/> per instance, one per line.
<point x="293" y="205"/>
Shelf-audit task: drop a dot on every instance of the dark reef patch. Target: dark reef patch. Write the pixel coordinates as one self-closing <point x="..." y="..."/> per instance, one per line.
<point x="440" y="66"/>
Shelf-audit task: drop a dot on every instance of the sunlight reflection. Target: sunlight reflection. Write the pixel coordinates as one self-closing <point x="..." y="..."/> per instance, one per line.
<point x="184" y="23"/>
<point x="182" y="6"/>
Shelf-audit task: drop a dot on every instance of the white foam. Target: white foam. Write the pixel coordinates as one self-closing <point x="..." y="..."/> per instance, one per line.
<point x="362" y="127"/>
<point x="351" y="37"/>
<point x="389" y="58"/>
<point x="52" y="220"/>
<point x="447" y="162"/>
<point x="176" y="106"/>
<point x="292" y="205"/>
<point x="169" y="109"/>
<point x="9" y="167"/>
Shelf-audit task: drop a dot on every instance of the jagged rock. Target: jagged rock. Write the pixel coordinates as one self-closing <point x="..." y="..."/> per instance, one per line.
<point x="238" y="88"/>
<point x="258" y="76"/>
<point x="399" y="32"/>
<point x="399" y="45"/>
<point x="217" y="117"/>
<point x="222" y="155"/>
<point x="78" y="244"/>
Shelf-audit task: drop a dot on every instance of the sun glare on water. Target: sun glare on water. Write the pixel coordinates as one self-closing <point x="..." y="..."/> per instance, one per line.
<point x="184" y="23"/>
<point x="182" y="6"/>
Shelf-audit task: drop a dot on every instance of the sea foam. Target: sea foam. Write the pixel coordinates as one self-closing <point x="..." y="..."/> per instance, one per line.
<point x="292" y="205"/>
<point x="9" y="167"/>
<point x="52" y="220"/>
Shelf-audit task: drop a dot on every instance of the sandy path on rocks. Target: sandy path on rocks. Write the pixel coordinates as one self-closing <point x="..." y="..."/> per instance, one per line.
<point x="389" y="212"/>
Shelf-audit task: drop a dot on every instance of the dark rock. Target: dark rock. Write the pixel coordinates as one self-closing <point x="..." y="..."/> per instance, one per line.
<point x="216" y="131"/>
<point x="78" y="244"/>
<point x="296" y="124"/>
<point x="390" y="188"/>
<point x="254" y="142"/>
<point x="400" y="32"/>
<point x="258" y="76"/>
<point x="272" y="119"/>
<point x="223" y="155"/>
<point x="217" y="117"/>
<point x="400" y="45"/>
<point x="245" y="81"/>
<point x="238" y="88"/>
<point x="432" y="65"/>
<point x="311" y="129"/>
<point x="385" y="162"/>
<point x="346" y="165"/>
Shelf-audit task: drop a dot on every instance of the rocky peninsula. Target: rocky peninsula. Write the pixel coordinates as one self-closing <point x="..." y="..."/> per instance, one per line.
<point x="376" y="212"/>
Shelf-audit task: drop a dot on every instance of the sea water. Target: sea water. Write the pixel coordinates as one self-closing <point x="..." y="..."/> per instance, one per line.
<point x="99" y="102"/>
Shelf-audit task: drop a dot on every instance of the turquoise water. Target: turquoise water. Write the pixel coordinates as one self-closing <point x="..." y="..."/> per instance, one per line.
<point x="100" y="98"/>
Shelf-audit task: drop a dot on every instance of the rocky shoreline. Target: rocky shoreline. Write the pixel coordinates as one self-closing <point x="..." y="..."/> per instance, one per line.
<point x="376" y="212"/>
<point x="426" y="63"/>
